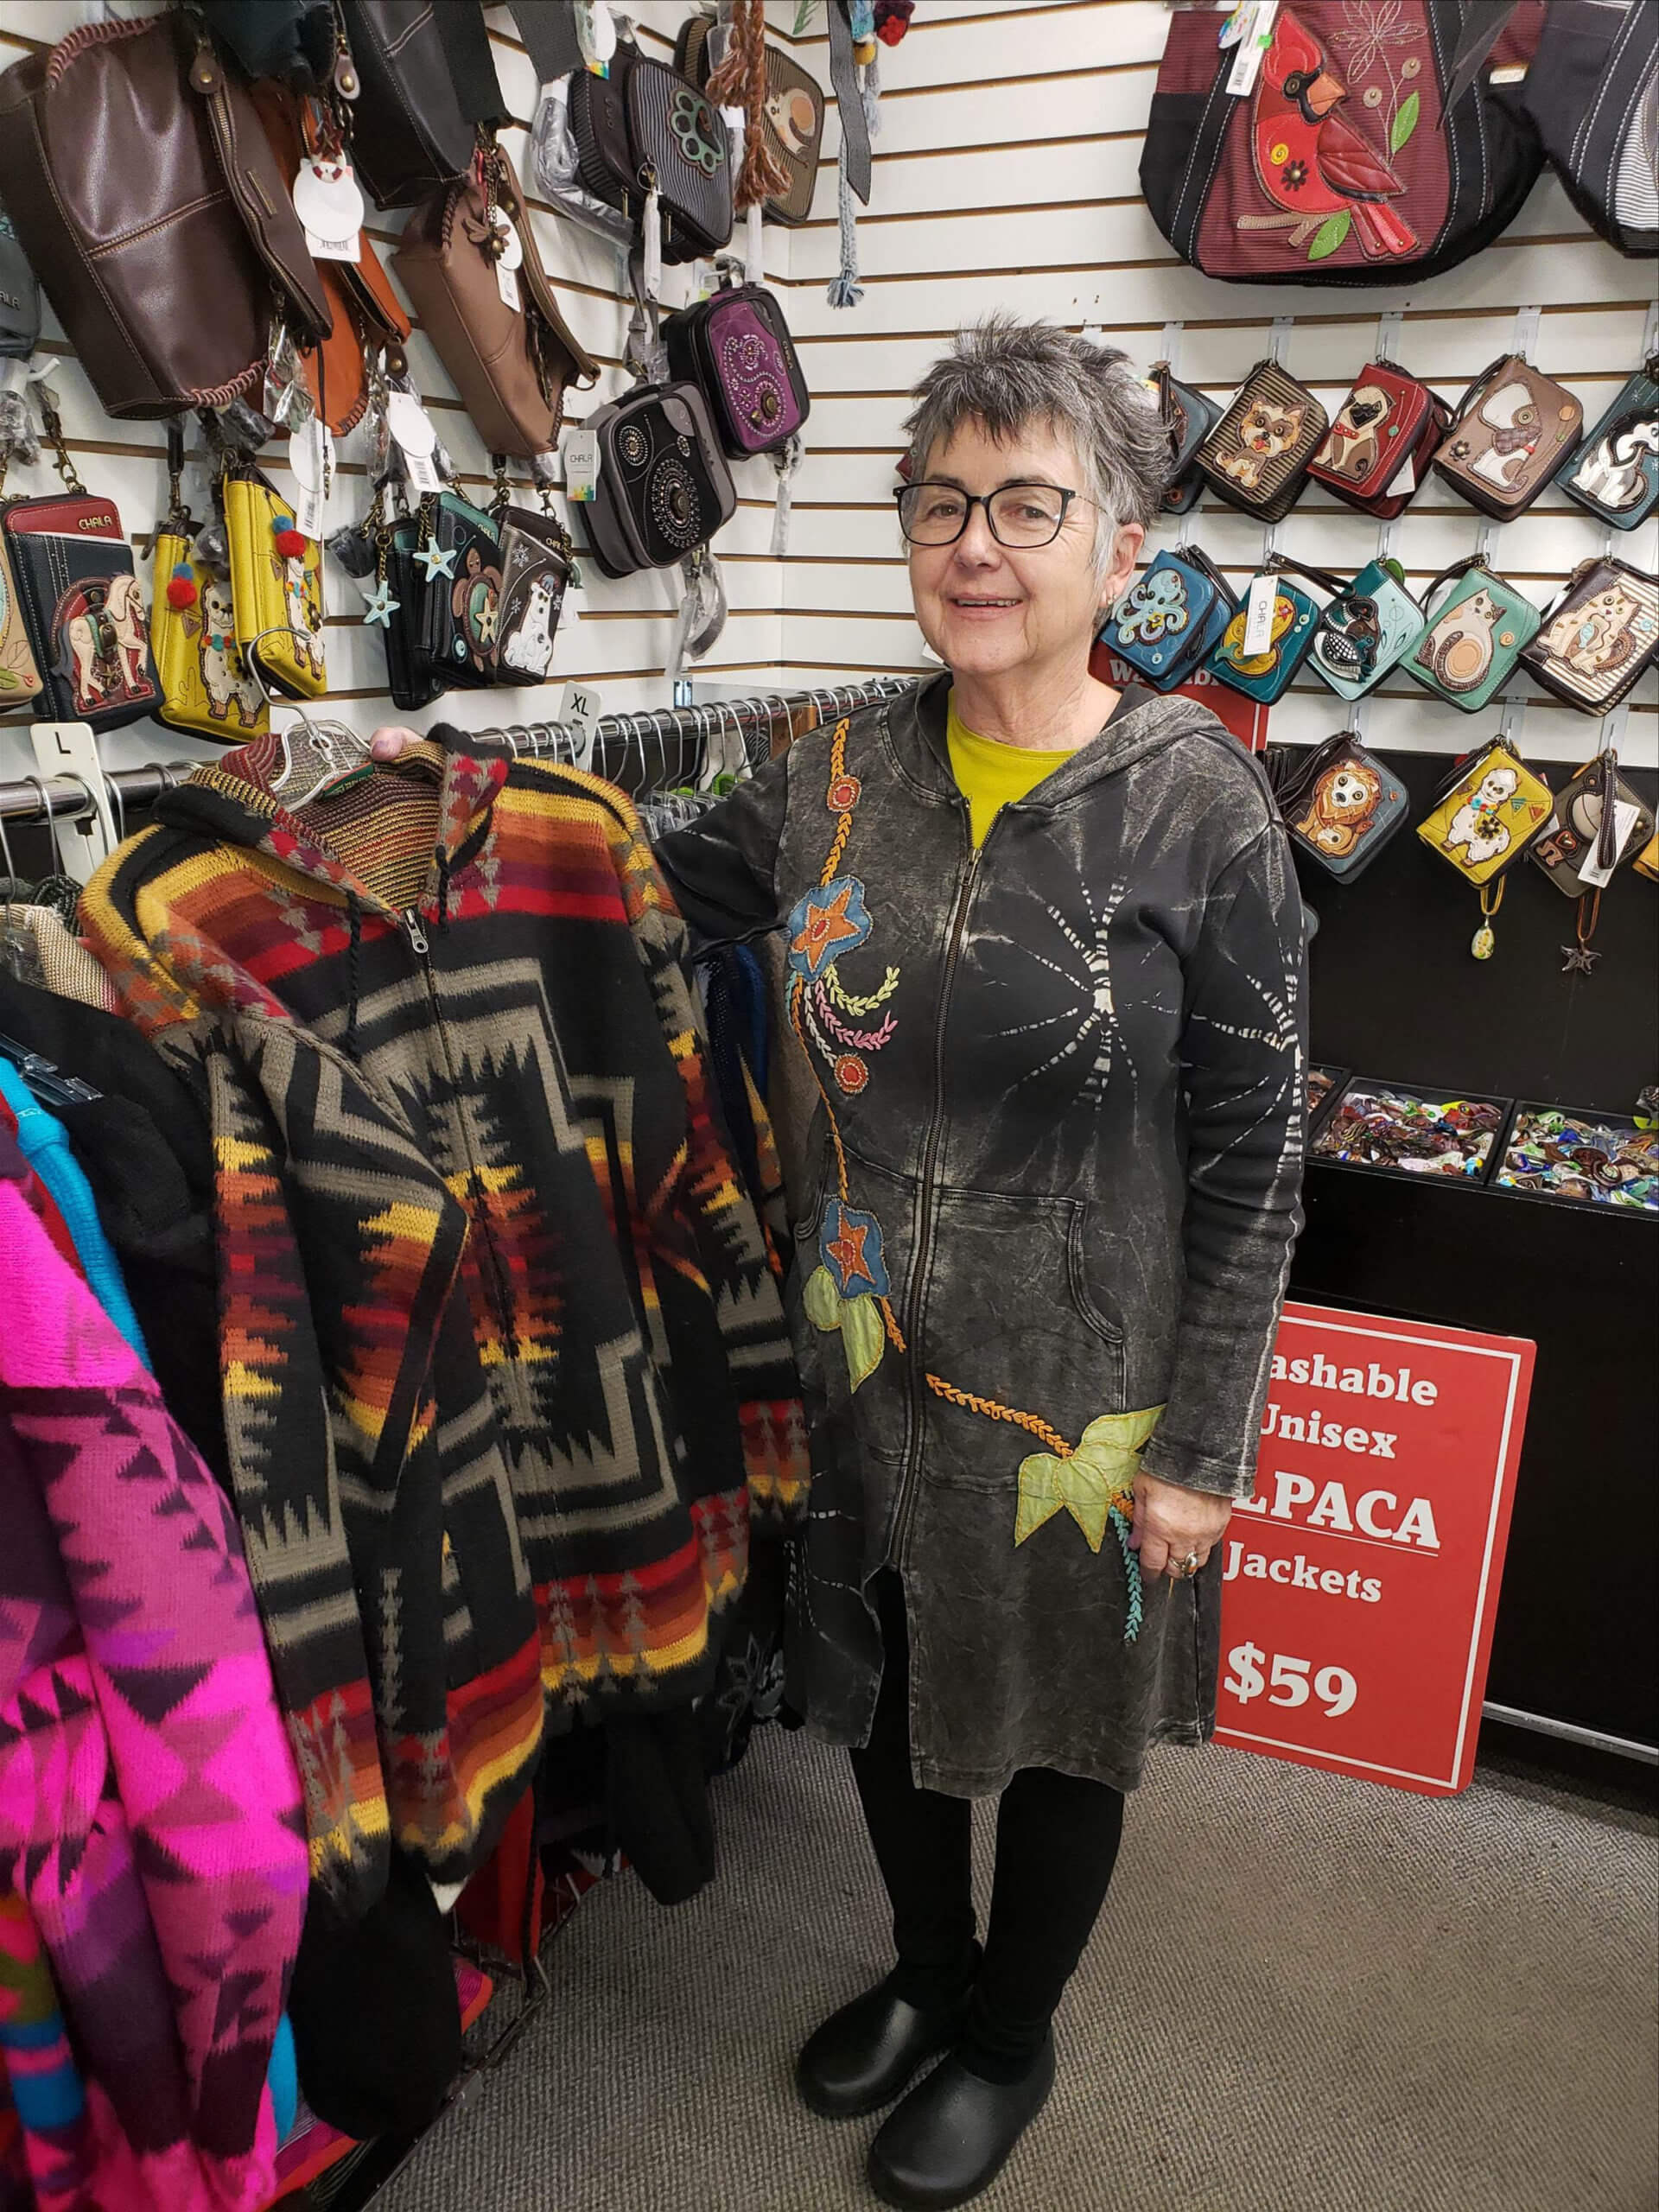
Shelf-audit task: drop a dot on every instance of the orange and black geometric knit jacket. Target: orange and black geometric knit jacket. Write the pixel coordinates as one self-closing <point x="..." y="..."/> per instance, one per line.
<point x="505" y="1361"/>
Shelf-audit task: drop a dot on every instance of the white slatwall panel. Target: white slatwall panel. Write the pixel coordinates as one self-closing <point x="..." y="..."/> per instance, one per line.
<point x="1005" y="176"/>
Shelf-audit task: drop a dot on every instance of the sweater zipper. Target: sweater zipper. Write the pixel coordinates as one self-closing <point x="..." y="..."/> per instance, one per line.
<point x="904" y="1511"/>
<point x="490" y="1266"/>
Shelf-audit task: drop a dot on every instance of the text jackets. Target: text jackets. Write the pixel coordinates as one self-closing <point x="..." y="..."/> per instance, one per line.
<point x="503" y="1353"/>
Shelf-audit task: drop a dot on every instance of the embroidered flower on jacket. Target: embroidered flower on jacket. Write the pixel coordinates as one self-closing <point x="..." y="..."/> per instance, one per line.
<point x="850" y="1243"/>
<point x="826" y="922"/>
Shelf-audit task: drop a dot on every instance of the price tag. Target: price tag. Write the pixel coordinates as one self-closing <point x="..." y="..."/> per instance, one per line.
<point x="595" y="35"/>
<point x="311" y="457"/>
<point x="506" y="282"/>
<point x="580" y="708"/>
<point x="417" y="440"/>
<point x="1254" y="41"/>
<point x="1406" y="481"/>
<point x="1625" y="818"/>
<point x="331" y="209"/>
<point x="580" y="463"/>
<point x="651" y="225"/>
<point x="1258" y="615"/>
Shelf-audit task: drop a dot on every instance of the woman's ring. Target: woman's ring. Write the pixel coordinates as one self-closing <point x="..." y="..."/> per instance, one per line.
<point x="1185" y="1568"/>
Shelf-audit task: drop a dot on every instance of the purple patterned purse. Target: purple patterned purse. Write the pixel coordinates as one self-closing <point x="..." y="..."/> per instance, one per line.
<point x="736" y="347"/>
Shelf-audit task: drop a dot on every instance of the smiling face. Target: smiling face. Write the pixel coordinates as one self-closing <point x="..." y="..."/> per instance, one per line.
<point x="987" y="609"/>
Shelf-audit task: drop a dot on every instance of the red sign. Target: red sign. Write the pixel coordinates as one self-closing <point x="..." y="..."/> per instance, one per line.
<point x="1246" y="718"/>
<point x="1361" y="1579"/>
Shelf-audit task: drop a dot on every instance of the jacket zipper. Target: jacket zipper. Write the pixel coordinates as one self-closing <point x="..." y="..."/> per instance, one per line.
<point x="495" y="1272"/>
<point x="905" y="1510"/>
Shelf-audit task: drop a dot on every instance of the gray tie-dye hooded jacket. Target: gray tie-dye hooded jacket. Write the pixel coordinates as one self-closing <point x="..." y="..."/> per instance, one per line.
<point x="1055" y="1177"/>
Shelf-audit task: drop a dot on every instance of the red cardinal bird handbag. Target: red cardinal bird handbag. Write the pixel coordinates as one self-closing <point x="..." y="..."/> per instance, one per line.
<point x="1370" y="140"/>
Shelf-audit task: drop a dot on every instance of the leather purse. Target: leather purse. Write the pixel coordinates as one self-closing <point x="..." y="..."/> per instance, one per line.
<point x="793" y="115"/>
<point x="1256" y="457"/>
<point x="1597" y="641"/>
<point x="276" y="587"/>
<point x="461" y="600"/>
<point x="1491" y="811"/>
<point x="1189" y="418"/>
<point x="1473" y="638"/>
<point x="411" y="677"/>
<point x="19" y="678"/>
<point x="1172" y="618"/>
<point x="1366" y="630"/>
<point x="206" y="687"/>
<point x="410" y="138"/>
<point x="1266" y="675"/>
<point x="1615" y="471"/>
<point x="1513" y="429"/>
<point x="82" y="609"/>
<point x="534" y="570"/>
<point x="148" y="202"/>
<point x="663" y="487"/>
<point x="510" y="364"/>
<point x="1382" y="439"/>
<point x="1572" y="836"/>
<point x="736" y="348"/>
<point x="646" y="124"/>
<point x="1341" y="805"/>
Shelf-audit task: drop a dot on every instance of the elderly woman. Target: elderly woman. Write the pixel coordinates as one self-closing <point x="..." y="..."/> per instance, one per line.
<point x="1045" y="956"/>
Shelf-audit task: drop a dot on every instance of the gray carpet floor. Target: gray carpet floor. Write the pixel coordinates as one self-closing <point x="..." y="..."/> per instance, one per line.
<point x="1306" y="1994"/>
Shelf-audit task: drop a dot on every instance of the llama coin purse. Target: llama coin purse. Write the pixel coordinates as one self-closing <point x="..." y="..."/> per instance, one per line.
<point x="1342" y="807"/>
<point x="1256" y="457"/>
<point x="1170" y="622"/>
<point x="1615" y="471"/>
<point x="1267" y="674"/>
<point x="1512" y="433"/>
<point x="1473" y="639"/>
<point x="1366" y="630"/>
<point x="207" y="685"/>
<point x="1492" y="812"/>
<point x="1599" y="638"/>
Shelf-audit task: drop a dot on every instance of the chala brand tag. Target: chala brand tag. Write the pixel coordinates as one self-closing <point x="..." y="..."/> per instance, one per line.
<point x="1258" y="614"/>
<point x="580" y="463"/>
<point x="417" y="440"/>
<point x="330" y="207"/>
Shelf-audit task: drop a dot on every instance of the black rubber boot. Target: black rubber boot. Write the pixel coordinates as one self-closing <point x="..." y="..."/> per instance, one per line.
<point x="865" y="2054"/>
<point x="954" y="2132"/>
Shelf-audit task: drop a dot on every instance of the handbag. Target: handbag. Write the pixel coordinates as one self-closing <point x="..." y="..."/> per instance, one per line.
<point x="82" y="609"/>
<point x="1571" y="838"/>
<point x="20" y="297"/>
<point x="663" y="487"/>
<point x="19" y="678"/>
<point x="460" y="598"/>
<point x="150" y="204"/>
<point x="1172" y="618"/>
<point x="644" y="129"/>
<point x="1189" y="416"/>
<point x="1365" y="630"/>
<point x="736" y="348"/>
<point x="1341" y="805"/>
<point x="535" y="571"/>
<point x="1593" y="98"/>
<point x="792" y="117"/>
<point x="1382" y="439"/>
<point x="276" y="587"/>
<point x="1266" y="675"/>
<point x="207" y="686"/>
<point x="1598" y="638"/>
<point x="1372" y="147"/>
<point x="1615" y="471"/>
<point x="409" y="136"/>
<point x="1472" y="640"/>
<point x="1513" y="429"/>
<point x="411" y="678"/>
<point x="291" y="41"/>
<point x="1256" y="457"/>
<point x="1493" y="808"/>
<point x="510" y="364"/>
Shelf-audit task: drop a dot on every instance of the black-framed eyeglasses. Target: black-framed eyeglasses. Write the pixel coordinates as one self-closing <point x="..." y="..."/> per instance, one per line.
<point x="1020" y="515"/>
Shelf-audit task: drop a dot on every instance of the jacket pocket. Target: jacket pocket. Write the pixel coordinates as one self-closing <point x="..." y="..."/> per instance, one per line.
<point x="1011" y="1316"/>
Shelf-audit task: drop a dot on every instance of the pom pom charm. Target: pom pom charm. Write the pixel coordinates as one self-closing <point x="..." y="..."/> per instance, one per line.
<point x="893" y="20"/>
<point x="181" y="590"/>
<point x="291" y="542"/>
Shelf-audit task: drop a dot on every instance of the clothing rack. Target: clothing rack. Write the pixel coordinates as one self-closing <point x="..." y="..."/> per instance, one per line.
<point x="657" y="749"/>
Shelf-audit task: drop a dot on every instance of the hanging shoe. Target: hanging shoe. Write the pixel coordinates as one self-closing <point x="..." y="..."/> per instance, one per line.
<point x="954" y="2134"/>
<point x="864" y="2054"/>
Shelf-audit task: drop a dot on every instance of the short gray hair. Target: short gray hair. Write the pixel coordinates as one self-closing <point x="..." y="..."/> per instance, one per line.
<point x="1007" y="375"/>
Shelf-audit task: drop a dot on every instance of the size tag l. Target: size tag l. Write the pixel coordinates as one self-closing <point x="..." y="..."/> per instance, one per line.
<point x="580" y="463"/>
<point x="1625" y="818"/>
<point x="1258" y="615"/>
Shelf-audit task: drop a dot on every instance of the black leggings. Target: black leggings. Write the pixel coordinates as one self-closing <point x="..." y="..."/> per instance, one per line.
<point x="1056" y="1838"/>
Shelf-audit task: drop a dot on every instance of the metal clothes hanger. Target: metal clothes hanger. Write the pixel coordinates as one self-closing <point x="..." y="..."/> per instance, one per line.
<point x="323" y="754"/>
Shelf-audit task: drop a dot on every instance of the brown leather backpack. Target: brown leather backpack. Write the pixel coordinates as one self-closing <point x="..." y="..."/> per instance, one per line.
<point x="148" y="199"/>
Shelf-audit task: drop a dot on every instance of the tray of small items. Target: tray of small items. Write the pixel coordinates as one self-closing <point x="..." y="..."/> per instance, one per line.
<point x="1324" y="1082"/>
<point x="1399" y="1128"/>
<point x="1551" y="1152"/>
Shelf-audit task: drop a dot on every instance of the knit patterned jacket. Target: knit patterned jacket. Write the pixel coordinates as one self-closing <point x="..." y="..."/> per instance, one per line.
<point x="504" y="1359"/>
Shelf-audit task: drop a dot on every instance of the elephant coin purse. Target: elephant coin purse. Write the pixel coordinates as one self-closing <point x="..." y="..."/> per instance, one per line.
<point x="1472" y="640"/>
<point x="207" y="685"/>
<point x="1380" y="442"/>
<point x="1490" y="814"/>
<point x="1512" y="432"/>
<point x="82" y="609"/>
<point x="1601" y="637"/>
<point x="1570" y="839"/>
<point x="1367" y="629"/>
<point x="1266" y="675"/>
<point x="1256" y="457"/>
<point x="1189" y="418"/>
<point x="1167" y="626"/>
<point x="1340" y="804"/>
<point x="275" y="586"/>
<point x="1615" y="471"/>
